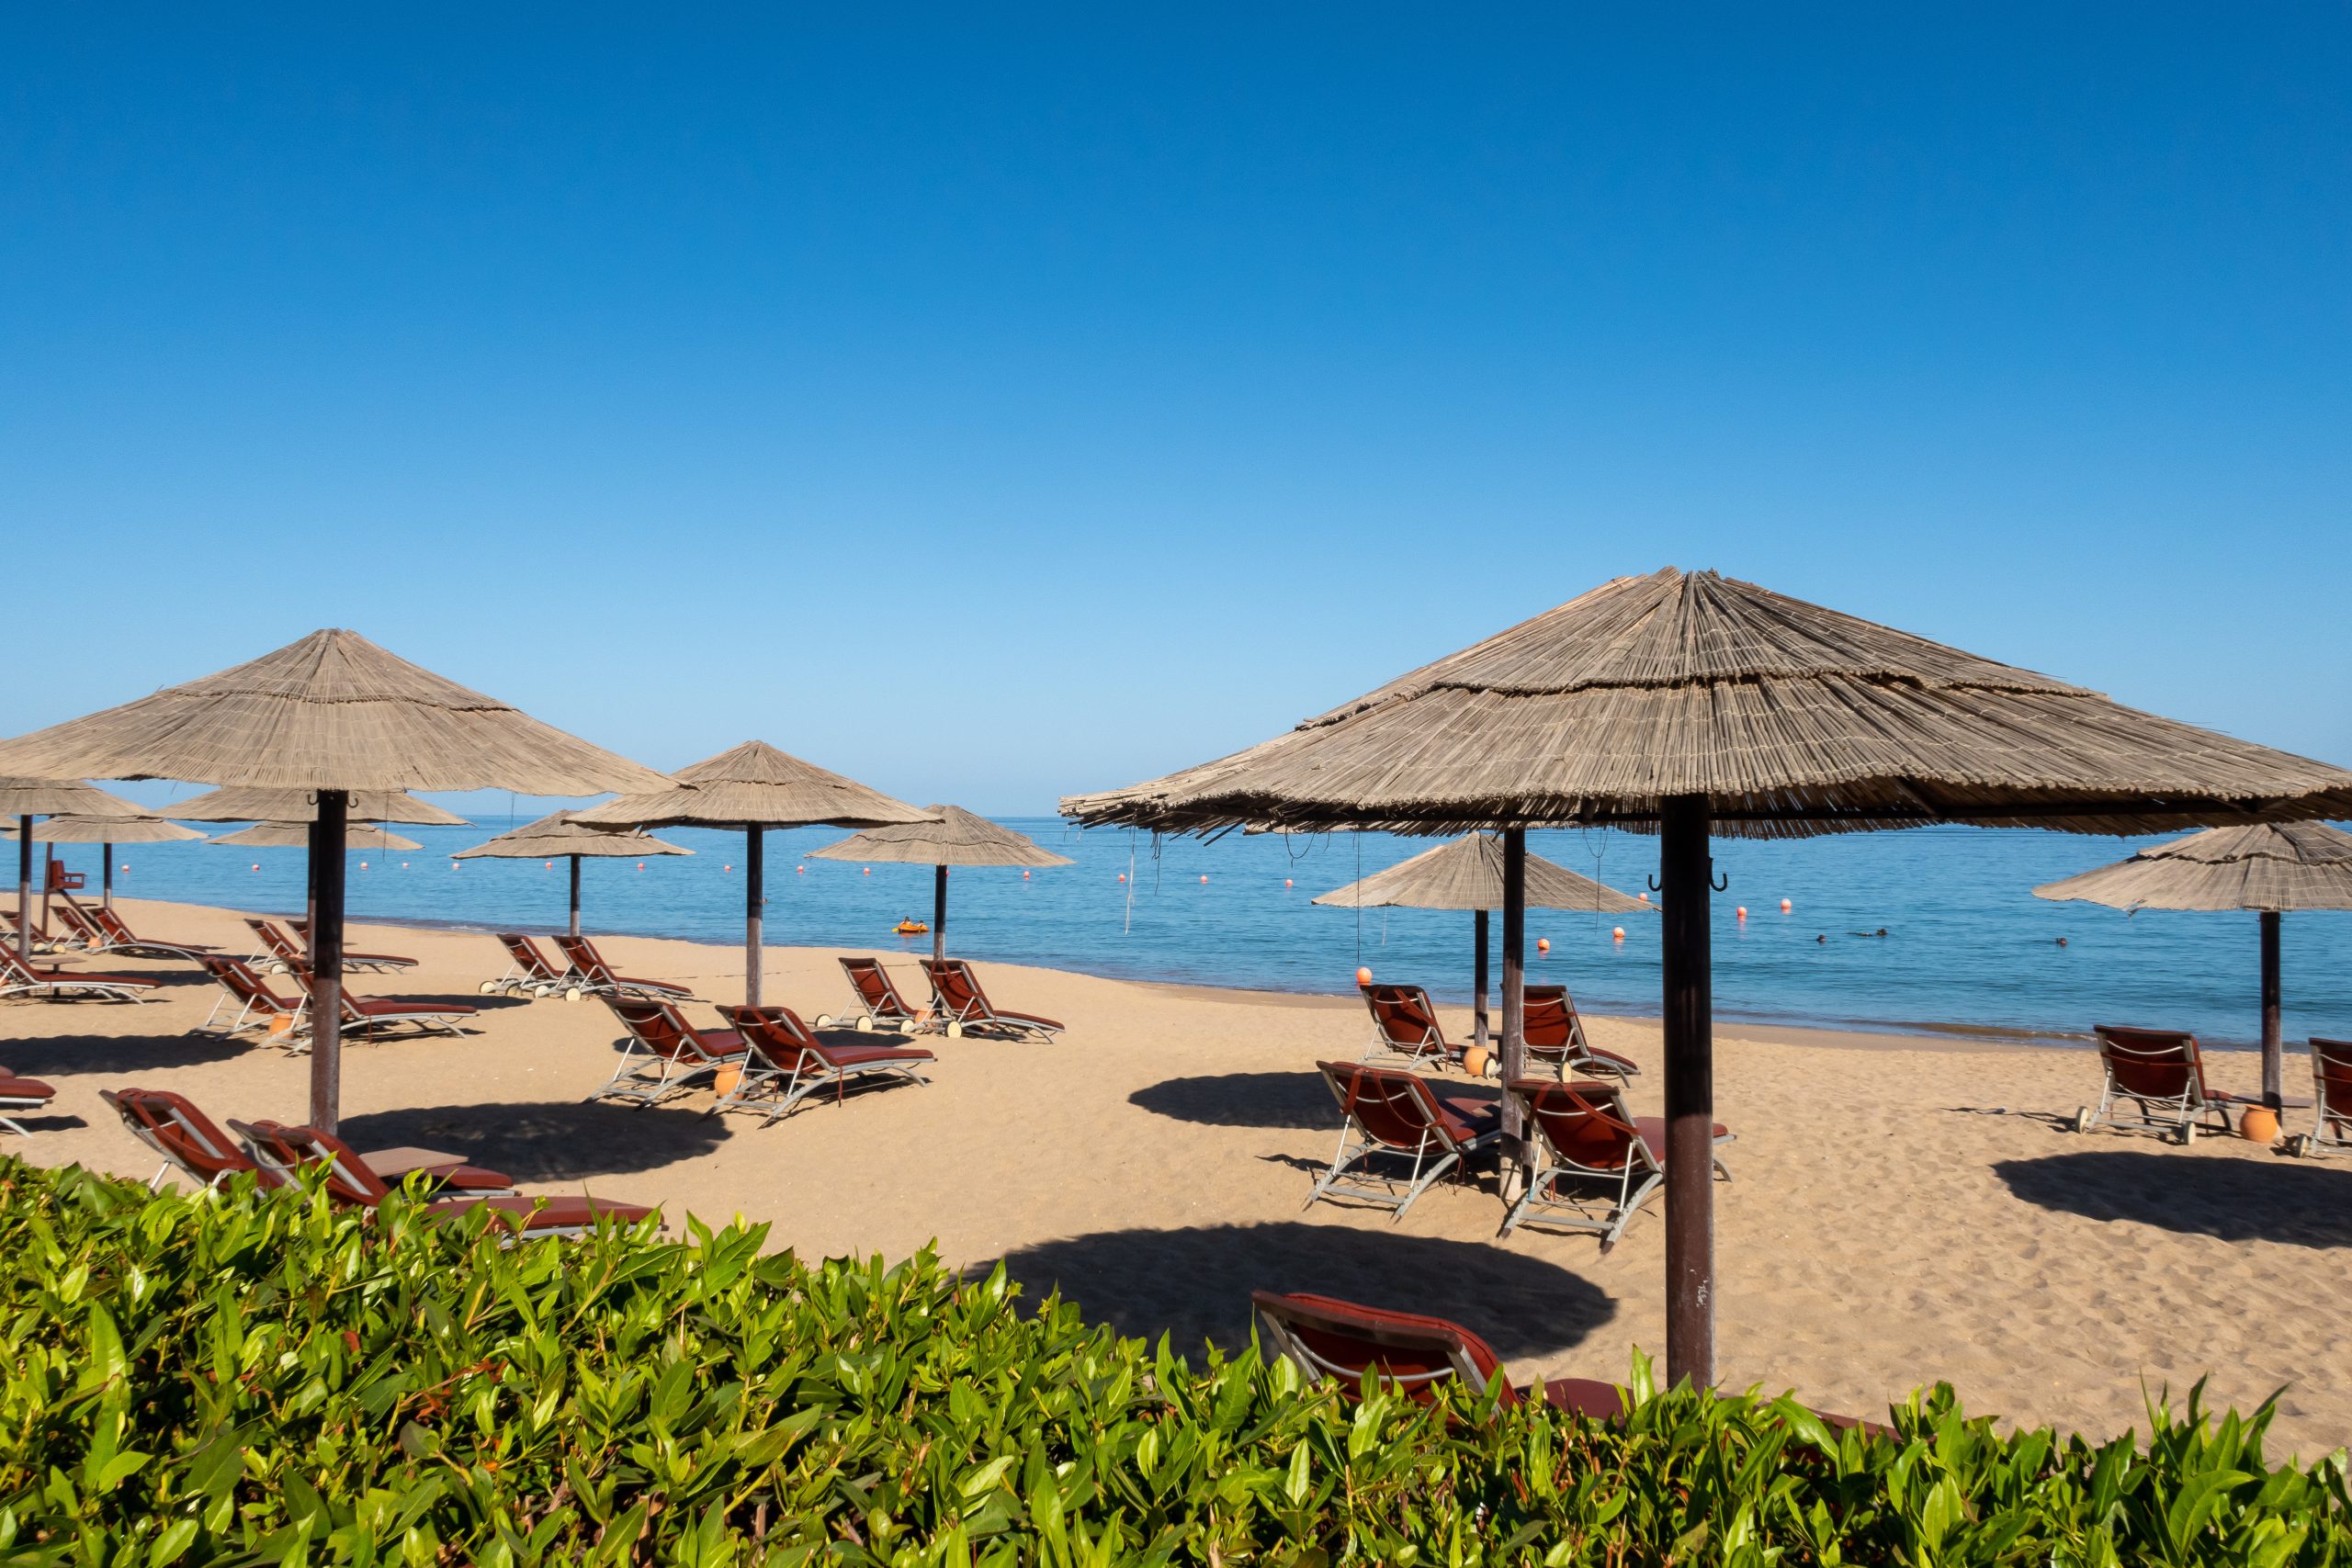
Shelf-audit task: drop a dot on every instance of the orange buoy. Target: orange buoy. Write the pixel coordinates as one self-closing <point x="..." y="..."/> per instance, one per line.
<point x="1543" y="944"/>
<point x="1364" y="975"/>
<point x="800" y="871"/>
<point x="1123" y="876"/>
<point x="640" y="865"/>
<point x="1204" y="878"/>
<point x="1786" y="906"/>
<point x="549" y="866"/>
<point x="1743" y="911"/>
<point x="124" y="867"/>
<point x="363" y="866"/>
<point x="1024" y="876"/>
<point x="257" y="865"/>
<point x="1643" y="897"/>
<point x="869" y="871"/>
<point x="1288" y="882"/>
<point x="728" y="867"/>
<point x="1618" y="934"/>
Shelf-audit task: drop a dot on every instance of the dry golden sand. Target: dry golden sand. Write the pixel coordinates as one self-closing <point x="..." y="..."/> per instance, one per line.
<point x="1904" y="1209"/>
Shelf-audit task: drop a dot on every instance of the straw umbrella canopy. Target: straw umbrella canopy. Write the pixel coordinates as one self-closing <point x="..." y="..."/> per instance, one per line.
<point x="333" y="713"/>
<point x="753" y="787"/>
<point x="107" y="832"/>
<point x="241" y="804"/>
<point x="297" y="836"/>
<point x="1467" y="874"/>
<point x="2269" y="868"/>
<point x="1690" y="703"/>
<point x="951" y="837"/>
<point x="25" y="798"/>
<point x="559" y="834"/>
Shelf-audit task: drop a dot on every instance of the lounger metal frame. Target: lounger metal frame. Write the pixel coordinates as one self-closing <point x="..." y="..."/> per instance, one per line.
<point x="2183" y="1113"/>
<point x="2331" y="1098"/>
<point x="20" y="1102"/>
<point x="1435" y="1152"/>
<point x="1279" y="1317"/>
<point x="886" y="1009"/>
<point x="1577" y="1053"/>
<point x="764" y="1080"/>
<point x="977" y="1013"/>
<point x="257" y="1003"/>
<point x="286" y="954"/>
<point x="528" y="969"/>
<point x="19" y="978"/>
<point x="592" y="976"/>
<point x="282" y="1152"/>
<point x="1611" y="1194"/>
<point x="1405" y="1023"/>
<point x="198" y="1129"/>
<point x="672" y="1071"/>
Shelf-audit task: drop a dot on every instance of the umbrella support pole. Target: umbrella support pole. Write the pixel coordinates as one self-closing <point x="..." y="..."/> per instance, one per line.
<point x="1478" y="970"/>
<point x="1685" y="882"/>
<point x="327" y="830"/>
<point x="754" y="894"/>
<point x="2272" y="1068"/>
<point x="938" y="914"/>
<point x="25" y="889"/>
<point x="1514" y="1063"/>
<point x="105" y="876"/>
<point x="575" y="894"/>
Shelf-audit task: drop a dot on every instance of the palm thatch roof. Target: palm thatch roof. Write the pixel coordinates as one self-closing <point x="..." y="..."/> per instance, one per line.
<point x="2296" y="865"/>
<point x="246" y="803"/>
<point x="559" y="834"/>
<point x="1467" y="874"/>
<point x="333" y="711"/>
<point x="113" y="830"/>
<point x="60" y="797"/>
<point x="955" y="837"/>
<point x="297" y="835"/>
<point x="1791" y="719"/>
<point x="754" y="785"/>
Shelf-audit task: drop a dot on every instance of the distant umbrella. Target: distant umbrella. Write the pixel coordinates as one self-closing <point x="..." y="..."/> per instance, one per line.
<point x="297" y="836"/>
<point x="25" y="798"/>
<point x="240" y="803"/>
<point x="952" y="836"/>
<point x="108" y="832"/>
<point x="2269" y="869"/>
<point x="558" y="835"/>
<point x="753" y="787"/>
<point x="333" y="714"/>
<point x="1467" y="874"/>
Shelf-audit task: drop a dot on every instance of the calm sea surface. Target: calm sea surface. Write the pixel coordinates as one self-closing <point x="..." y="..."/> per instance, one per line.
<point x="1965" y="939"/>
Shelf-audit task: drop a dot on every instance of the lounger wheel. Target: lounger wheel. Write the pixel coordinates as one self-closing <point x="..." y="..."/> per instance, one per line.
<point x="2187" y="1134"/>
<point x="2082" y="1122"/>
<point x="824" y="1020"/>
<point x="955" y="1030"/>
<point x="866" y="1026"/>
<point x="574" y="994"/>
<point x="489" y="987"/>
<point x="2300" y="1146"/>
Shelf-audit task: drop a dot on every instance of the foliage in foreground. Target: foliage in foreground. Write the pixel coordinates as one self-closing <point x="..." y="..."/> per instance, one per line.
<point x="259" y="1378"/>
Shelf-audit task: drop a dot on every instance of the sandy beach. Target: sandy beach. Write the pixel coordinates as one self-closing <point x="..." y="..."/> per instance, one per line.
<point x="1903" y="1209"/>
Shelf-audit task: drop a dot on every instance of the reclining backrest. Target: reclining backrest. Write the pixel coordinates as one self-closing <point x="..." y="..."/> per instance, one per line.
<point x="584" y="957"/>
<point x="2332" y="1077"/>
<point x="959" y="990"/>
<point x="1390" y="1103"/>
<point x="1404" y="1351"/>
<point x="276" y="941"/>
<point x="78" y="919"/>
<point x="116" y="928"/>
<point x="1551" y="1027"/>
<point x="173" y="1126"/>
<point x="776" y="1031"/>
<point x="1405" y="1018"/>
<point x="241" y="982"/>
<point x="1584" y="1123"/>
<point x="2161" y="1063"/>
<point x="658" y="1025"/>
<point x="285" y="1152"/>
<point x="874" y="989"/>
<point x="527" y="954"/>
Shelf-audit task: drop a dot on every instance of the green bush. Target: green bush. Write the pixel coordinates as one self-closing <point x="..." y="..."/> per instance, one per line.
<point x="260" y="1379"/>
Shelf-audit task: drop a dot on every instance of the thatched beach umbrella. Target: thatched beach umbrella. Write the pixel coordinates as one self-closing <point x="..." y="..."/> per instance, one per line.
<point x="753" y="787"/>
<point x="1470" y="872"/>
<point x="1690" y="704"/>
<point x="331" y="714"/>
<point x="952" y="837"/>
<point x="25" y="798"/>
<point x="244" y="804"/>
<point x="107" y="832"/>
<point x="300" y="836"/>
<point x="2269" y="869"/>
<point x="559" y="835"/>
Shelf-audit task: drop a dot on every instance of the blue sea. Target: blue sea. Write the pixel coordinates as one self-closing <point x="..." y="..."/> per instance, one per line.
<point x="1965" y="942"/>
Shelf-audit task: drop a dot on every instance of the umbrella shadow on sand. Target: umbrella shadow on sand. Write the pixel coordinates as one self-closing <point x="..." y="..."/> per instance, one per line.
<point x="1289" y="1102"/>
<point x="1194" y="1284"/>
<point x="64" y="1053"/>
<point x="2279" y="1200"/>
<point x="553" y="1140"/>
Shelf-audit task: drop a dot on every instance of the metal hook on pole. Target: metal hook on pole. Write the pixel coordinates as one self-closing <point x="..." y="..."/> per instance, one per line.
<point x="1720" y="884"/>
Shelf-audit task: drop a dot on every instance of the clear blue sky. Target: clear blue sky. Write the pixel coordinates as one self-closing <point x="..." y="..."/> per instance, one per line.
<point x="996" y="409"/>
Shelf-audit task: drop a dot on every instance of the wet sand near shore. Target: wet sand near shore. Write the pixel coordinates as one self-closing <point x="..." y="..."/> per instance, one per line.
<point x="1905" y="1209"/>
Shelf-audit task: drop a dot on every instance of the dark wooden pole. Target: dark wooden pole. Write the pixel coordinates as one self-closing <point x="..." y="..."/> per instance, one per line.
<point x="1478" y="926"/>
<point x="326" y="959"/>
<point x="48" y="880"/>
<point x="754" y="883"/>
<point x="1514" y="982"/>
<point x="938" y="913"/>
<point x="106" y="874"/>
<point x="311" y="877"/>
<point x="575" y="896"/>
<point x="2271" y="1048"/>
<point x="1685" y="882"/>
<point x="25" y="888"/>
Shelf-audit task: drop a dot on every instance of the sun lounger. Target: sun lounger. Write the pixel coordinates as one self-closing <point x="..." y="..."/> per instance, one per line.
<point x="961" y="1007"/>
<point x="878" y="996"/>
<point x="1596" y="1163"/>
<point x="19" y="978"/>
<point x="79" y="931"/>
<point x="2332" y="1097"/>
<point x="667" y="1054"/>
<point x="381" y="1018"/>
<point x="259" y="1009"/>
<point x="120" y="938"/>
<point x="1393" y="1118"/>
<point x="784" y="1063"/>
<point x="1555" y="1036"/>
<point x="2162" y="1072"/>
<point x="528" y="969"/>
<point x="21" y="1094"/>
<point x="175" y="1128"/>
<point x="1407" y="1353"/>
<point x="286" y="1152"/>
<point x="12" y="925"/>
<point x="591" y="975"/>
<point x="286" y="954"/>
<point x="1404" y="1023"/>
